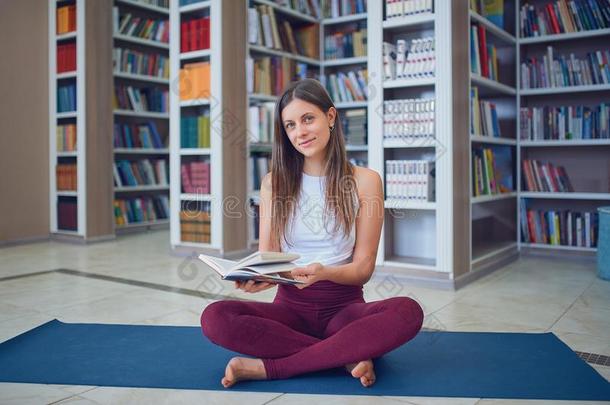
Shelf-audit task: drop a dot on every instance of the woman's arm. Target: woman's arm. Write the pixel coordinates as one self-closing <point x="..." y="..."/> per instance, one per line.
<point x="368" y="232"/>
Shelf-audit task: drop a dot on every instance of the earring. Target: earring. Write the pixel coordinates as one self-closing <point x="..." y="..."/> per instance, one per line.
<point x="331" y="128"/>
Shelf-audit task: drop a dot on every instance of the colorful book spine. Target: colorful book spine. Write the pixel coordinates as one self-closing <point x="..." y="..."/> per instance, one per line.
<point x="140" y="173"/>
<point x="347" y="86"/>
<point x="491" y="171"/>
<point x="140" y="63"/>
<point x="261" y="122"/>
<point x="348" y="42"/>
<point x="66" y="57"/>
<point x="545" y="177"/>
<point x="563" y="16"/>
<point x="66" y="98"/>
<point x="141" y="99"/>
<point x="414" y="60"/>
<point x="141" y="209"/>
<point x="401" y="8"/>
<point x="66" y="19"/>
<point x="195" y="131"/>
<point x="195" y="34"/>
<point x="195" y="177"/>
<point x="195" y="81"/>
<point x="195" y="226"/>
<point x="484" y="116"/>
<point x="66" y="138"/>
<point x="354" y="123"/>
<point x="133" y="136"/>
<point x="140" y="27"/>
<point x="340" y="8"/>
<point x="483" y="56"/>
<point x="65" y="175"/>
<point x="574" y="122"/>
<point x="560" y="227"/>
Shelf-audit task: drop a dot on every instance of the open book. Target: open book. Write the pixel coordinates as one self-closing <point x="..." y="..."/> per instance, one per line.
<point x="259" y="266"/>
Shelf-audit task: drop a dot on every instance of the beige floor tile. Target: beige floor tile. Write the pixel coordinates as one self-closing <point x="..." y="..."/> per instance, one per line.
<point x="584" y="320"/>
<point x="13" y="327"/>
<point x="11" y="393"/>
<point x="585" y="343"/>
<point x="306" y="399"/>
<point x="597" y="295"/>
<point x="436" y="401"/>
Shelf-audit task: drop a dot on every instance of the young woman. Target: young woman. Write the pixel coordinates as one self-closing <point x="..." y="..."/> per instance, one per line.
<point x="317" y="204"/>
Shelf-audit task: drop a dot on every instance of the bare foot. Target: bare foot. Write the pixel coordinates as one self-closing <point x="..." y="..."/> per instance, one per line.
<point x="243" y="368"/>
<point x="364" y="370"/>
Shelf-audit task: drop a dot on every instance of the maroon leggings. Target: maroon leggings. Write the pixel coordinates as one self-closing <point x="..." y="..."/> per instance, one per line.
<point x="322" y="326"/>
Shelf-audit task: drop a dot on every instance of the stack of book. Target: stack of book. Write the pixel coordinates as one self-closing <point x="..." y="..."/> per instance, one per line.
<point x="562" y="228"/>
<point x="260" y="167"/>
<point x="544" y="177"/>
<point x="66" y="19"/>
<point x="493" y="10"/>
<point x="409" y="119"/>
<point x="348" y="87"/>
<point x="143" y="135"/>
<point x="195" y="177"/>
<point x="340" y="8"/>
<point x="140" y="63"/>
<point x="140" y="173"/>
<point x="195" y="131"/>
<point x="565" y="122"/>
<point x="139" y="27"/>
<point x="195" y="81"/>
<point x="66" y="138"/>
<point x="354" y="126"/>
<point x="563" y="16"/>
<point x="66" y="57"/>
<point x="195" y="226"/>
<point x="492" y="171"/>
<point x="400" y="8"/>
<point x="67" y="215"/>
<point x="483" y="56"/>
<point x="565" y="71"/>
<point x="347" y="42"/>
<point x="195" y="34"/>
<point x="261" y="122"/>
<point x="410" y="180"/>
<point x="141" y="99"/>
<point x="264" y="29"/>
<point x="66" y="98"/>
<point x="484" y="116"/>
<point x="65" y="174"/>
<point x="404" y="60"/>
<point x="142" y="209"/>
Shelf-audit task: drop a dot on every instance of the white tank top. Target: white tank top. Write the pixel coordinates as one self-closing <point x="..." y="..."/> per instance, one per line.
<point x="307" y="233"/>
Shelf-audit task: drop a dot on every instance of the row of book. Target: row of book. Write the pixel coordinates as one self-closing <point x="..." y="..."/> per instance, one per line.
<point x="545" y="177"/>
<point x="195" y="226"/>
<point x="405" y="60"/>
<point x="195" y="34"/>
<point x="260" y="167"/>
<point x="399" y="8"/>
<point x="195" y="131"/>
<point x="140" y="63"/>
<point x="340" y="8"/>
<point x="195" y="177"/>
<point x="492" y="171"/>
<point x="66" y="57"/>
<point x="565" y="71"/>
<point x="493" y="10"/>
<point x="411" y="119"/>
<point x="410" y="180"/>
<point x="65" y="176"/>
<point x="66" y="98"/>
<point x="153" y="29"/>
<point x="141" y="209"/>
<point x="349" y="42"/>
<point x="261" y="122"/>
<point x="142" y="172"/>
<point x="66" y="138"/>
<point x="264" y="29"/>
<point x="67" y="214"/>
<point x="140" y="99"/>
<point x="483" y="116"/>
<point x="66" y="19"/>
<point x="270" y="75"/>
<point x="354" y="125"/>
<point x="347" y="87"/>
<point x="560" y="228"/>
<point x="195" y="81"/>
<point x="564" y="16"/>
<point x="144" y="135"/>
<point x="483" y="56"/>
<point x="565" y="122"/>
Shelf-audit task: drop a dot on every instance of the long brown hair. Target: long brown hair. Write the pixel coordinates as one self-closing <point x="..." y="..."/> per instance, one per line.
<point x="287" y="167"/>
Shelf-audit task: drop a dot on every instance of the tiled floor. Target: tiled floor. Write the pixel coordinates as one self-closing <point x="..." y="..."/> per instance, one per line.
<point x="530" y="295"/>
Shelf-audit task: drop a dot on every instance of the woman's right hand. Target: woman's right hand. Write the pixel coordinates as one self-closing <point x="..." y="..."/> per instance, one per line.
<point x="252" y="287"/>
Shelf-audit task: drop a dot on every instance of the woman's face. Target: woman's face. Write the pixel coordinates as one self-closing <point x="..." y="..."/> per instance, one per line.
<point x="307" y="126"/>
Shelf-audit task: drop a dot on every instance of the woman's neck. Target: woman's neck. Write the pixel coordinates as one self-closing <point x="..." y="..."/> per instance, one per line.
<point x="313" y="167"/>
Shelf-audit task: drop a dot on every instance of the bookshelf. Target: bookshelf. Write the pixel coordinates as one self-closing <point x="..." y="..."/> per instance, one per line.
<point x="79" y="123"/>
<point x="582" y="152"/>
<point x="141" y="131"/>
<point x="207" y="111"/>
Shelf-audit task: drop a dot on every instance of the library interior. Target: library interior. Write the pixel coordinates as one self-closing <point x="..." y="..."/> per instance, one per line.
<point x="150" y="161"/>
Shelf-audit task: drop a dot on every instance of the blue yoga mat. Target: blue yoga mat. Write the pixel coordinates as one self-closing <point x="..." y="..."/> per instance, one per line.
<point x="438" y="364"/>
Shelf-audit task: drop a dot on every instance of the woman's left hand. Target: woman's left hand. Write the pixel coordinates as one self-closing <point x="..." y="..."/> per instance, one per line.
<point x="310" y="274"/>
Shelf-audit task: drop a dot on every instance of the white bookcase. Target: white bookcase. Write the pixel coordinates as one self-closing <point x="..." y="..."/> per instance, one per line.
<point x="122" y="116"/>
<point x="416" y="238"/>
<point x="586" y="161"/>
<point x="77" y="117"/>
